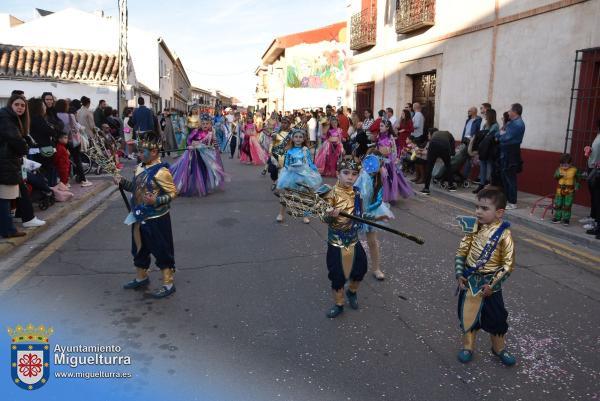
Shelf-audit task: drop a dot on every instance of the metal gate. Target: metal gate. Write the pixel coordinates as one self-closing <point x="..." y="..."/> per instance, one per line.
<point x="584" y="110"/>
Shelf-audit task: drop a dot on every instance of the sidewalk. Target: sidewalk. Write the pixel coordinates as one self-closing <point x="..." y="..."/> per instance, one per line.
<point x="55" y="212"/>
<point x="573" y="233"/>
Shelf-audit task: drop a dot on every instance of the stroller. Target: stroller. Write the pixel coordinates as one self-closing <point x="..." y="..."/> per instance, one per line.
<point x="39" y="191"/>
<point x="456" y="163"/>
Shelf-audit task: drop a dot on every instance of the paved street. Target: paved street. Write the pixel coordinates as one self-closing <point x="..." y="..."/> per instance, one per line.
<point x="248" y="319"/>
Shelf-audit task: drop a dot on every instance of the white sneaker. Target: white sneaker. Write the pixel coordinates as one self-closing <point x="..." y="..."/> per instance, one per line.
<point x="35" y="222"/>
<point x="586" y="220"/>
<point x="511" y="206"/>
<point x="86" y="184"/>
<point x="589" y="226"/>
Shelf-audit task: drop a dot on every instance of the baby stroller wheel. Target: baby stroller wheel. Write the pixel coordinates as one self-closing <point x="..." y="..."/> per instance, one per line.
<point x="466" y="184"/>
<point x="51" y="200"/>
<point x="444" y="185"/>
<point x="43" y="204"/>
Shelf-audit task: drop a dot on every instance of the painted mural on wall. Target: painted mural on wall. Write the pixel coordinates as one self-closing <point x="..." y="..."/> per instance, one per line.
<point x="314" y="66"/>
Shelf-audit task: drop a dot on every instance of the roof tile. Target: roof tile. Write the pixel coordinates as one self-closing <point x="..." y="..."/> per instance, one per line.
<point x="62" y="64"/>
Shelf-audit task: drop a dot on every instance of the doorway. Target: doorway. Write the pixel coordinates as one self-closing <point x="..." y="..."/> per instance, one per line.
<point x="365" y="95"/>
<point x="424" y="85"/>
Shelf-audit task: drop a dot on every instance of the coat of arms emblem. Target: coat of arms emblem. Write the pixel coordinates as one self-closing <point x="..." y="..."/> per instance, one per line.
<point x="30" y="355"/>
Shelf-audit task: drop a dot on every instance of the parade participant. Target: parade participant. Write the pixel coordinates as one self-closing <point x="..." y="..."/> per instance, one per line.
<point x="568" y="177"/>
<point x="152" y="190"/>
<point x="278" y="145"/>
<point x="220" y="130"/>
<point x="394" y="183"/>
<point x="484" y="260"/>
<point x="199" y="171"/>
<point x="330" y="151"/>
<point x="236" y="126"/>
<point x="252" y="152"/>
<point x="265" y="138"/>
<point x="346" y="258"/>
<point x="299" y="170"/>
<point x="370" y="185"/>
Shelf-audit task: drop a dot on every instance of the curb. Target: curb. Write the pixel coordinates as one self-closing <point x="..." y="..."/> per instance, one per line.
<point x="14" y="243"/>
<point x="576" y="239"/>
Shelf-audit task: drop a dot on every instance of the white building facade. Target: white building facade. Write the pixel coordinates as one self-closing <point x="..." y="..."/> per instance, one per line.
<point x="451" y="57"/>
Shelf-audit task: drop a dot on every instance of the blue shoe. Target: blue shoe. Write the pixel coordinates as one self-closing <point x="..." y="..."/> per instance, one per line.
<point x="135" y="284"/>
<point x="352" y="299"/>
<point x="506" y="358"/>
<point x="163" y="292"/>
<point x="335" y="311"/>
<point x="465" y="356"/>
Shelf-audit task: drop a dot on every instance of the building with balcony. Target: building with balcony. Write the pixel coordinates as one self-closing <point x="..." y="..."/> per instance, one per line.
<point x="205" y="99"/>
<point x="450" y="57"/>
<point x="304" y="70"/>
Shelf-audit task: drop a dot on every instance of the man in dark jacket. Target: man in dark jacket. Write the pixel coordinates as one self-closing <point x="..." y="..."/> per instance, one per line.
<point x="13" y="127"/>
<point x="142" y="120"/>
<point x="441" y="145"/>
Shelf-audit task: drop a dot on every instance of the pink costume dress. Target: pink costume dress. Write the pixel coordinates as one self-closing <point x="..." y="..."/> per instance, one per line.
<point x="330" y="152"/>
<point x="200" y="170"/>
<point x="251" y="150"/>
<point x="395" y="185"/>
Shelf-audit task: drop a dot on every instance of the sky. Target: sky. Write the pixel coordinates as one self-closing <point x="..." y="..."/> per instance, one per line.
<point x="219" y="42"/>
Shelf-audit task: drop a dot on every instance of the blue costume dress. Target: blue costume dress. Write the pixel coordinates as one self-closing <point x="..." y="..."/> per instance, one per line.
<point x="373" y="204"/>
<point x="298" y="168"/>
<point x="221" y="131"/>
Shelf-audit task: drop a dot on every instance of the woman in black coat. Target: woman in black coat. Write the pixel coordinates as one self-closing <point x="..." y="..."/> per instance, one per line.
<point x="14" y="124"/>
<point x="45" y="137"/>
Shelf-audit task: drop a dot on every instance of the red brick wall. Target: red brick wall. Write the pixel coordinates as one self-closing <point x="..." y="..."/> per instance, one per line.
<point x="537" y="175"/>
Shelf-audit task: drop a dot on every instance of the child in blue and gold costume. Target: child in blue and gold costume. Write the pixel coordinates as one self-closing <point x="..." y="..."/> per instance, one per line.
<point x="484" y="260"/>
<point x="152" y="190"/>
<point x="346" y="258"/>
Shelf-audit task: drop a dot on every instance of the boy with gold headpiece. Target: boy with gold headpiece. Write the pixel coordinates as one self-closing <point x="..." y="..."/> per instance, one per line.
<point x="152" y="190"/>
<point x="346" y="258"/>
<point x="484" y="260"/>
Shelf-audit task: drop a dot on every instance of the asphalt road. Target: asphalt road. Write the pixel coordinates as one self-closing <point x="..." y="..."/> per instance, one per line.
<point x="248" y="319"/>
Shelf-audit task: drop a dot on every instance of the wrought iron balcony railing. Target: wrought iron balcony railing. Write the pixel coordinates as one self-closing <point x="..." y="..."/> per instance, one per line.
<point x="363" y="28"/>
<point x="412" y="15"/>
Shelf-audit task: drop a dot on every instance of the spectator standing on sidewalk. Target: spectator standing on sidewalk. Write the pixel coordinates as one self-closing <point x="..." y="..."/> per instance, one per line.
<point x="142" y="120"/>
<point x="44" y="137"/>
<point x="14" y="125"/>
<point x="418" y="124"/>
<point x="487" y="149"/>
<point x="405" y="129"/>
<point x="510" y="153"/>
<point x="594" y="185"/>
<point x="85" y="118"/>
<point x="368" y="119"/>
<point x="99" y="117"/>
<point x="472" y="126"/>
<point x="74" y="139"/>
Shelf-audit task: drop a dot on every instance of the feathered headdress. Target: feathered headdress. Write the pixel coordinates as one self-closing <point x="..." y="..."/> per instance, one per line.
<point x="151" y="140"/>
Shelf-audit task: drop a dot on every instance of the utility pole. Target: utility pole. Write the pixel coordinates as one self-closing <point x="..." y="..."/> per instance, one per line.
<point x="123" y="56"/>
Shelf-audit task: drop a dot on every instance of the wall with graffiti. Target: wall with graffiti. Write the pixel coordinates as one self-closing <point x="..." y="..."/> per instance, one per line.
<point x="318" y="66"/>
